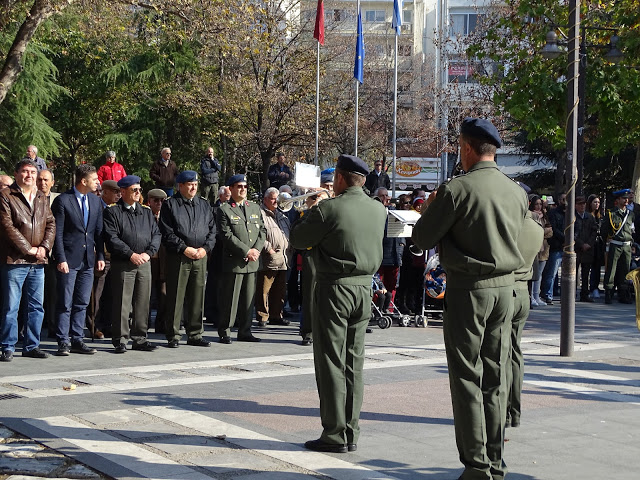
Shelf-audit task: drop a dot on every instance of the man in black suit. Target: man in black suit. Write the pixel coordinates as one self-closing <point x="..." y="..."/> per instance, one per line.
<point x="377" y="178"/>
<point x="78" y="247"/>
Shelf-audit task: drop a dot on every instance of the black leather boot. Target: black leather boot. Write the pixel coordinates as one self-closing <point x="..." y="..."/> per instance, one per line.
<point x="608" y="296"/>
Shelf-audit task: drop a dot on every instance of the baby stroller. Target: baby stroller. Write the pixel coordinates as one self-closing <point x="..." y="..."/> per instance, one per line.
<point x="383" y="310"/>
<point x="435" y="285"/>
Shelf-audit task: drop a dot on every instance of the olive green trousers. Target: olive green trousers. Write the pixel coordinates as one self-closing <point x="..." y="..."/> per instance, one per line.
<point x="340" y="319"/>
<point x="477" y="328"/>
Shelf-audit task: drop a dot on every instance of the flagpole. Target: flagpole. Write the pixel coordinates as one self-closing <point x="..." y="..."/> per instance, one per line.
<point x="318" y="34"/>
<point x="317" y="101"/>
<point x="397" y="24"/>
<point x="395" y="117"/>
<point x="355" y="148"/>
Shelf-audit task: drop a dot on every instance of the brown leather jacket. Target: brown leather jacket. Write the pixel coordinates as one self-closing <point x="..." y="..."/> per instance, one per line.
<point x="24" y="227"/>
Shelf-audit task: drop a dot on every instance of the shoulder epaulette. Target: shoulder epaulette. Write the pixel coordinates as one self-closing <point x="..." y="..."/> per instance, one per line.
<point x="145" y="206"/>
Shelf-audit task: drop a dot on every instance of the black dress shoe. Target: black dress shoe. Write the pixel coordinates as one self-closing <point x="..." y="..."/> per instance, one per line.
<point x="226" y="340"/>
<point x="145" y="346"/>
<point x="82" y="348"/>
<point x="515" y="422"/>
<point x="198" y="342"/>
<point x="306" y="341"/>
<point x="352" y="447"/>
<point x="35" y="353"/>
<point x="121" y="348"/>
<point x="6" y="356"/>
<point x="173" y="344"/>
<point x="320" y="446"/>
<point x="63" y="350"/>
<point x="250" y="338"/>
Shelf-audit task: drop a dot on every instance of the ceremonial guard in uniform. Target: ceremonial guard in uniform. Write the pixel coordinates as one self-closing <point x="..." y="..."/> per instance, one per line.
<point x="617" y="229"/>
<point x="132" y="237"/>
<point x="345" y="236"/>
<point x="243" y="234"/>
<point x="529" y="243"/>
<point x="188" y="230"/>
<point x="476" y="220"/>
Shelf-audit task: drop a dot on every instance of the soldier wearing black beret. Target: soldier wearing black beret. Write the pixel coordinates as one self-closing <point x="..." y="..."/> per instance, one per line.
<point x="479" y="251"/>
<point x="345" y="237"/>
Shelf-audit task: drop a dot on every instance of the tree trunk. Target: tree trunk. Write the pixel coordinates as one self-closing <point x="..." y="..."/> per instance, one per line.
<point x="40" y="11"/>
<point x="636" y="177"/>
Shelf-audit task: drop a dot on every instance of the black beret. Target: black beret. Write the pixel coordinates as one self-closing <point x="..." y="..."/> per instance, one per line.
<point x="187" y="176"/>
<point x="236" y="179"/>
<point x="350" y="163"/>
<point x="481" y="128"/>
<point x="129" y="180"/>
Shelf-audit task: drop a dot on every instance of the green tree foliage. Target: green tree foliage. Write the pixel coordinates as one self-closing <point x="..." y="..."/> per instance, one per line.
<point x="532" y="89"/>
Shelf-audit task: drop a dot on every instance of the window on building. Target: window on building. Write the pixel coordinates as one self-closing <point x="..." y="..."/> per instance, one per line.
<point x="407" y="16"/>
<point x="374" y="16"/>
<point x="404" y="50"/>
<point x="463" y="24"/>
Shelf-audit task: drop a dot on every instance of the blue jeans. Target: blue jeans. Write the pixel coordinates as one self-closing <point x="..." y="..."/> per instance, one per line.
<point x="16" y="280"/>
<point x="549" y="273"/>
<point x="74" y="293"/>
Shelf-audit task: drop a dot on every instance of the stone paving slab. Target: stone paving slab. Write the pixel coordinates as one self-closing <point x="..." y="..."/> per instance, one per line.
<point x="107" y="379"/>
<point x="186" y="444"/>
<point x="115" y="416"/>
<point x="151" y="429"/>
<point x="41" y="384"/>
<point x="229" y="460"/>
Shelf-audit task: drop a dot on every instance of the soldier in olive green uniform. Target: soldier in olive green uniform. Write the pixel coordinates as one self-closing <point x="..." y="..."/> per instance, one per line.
<point x="243" y="234"/>
<point x="476" y="220"/>
<point x="345" y="236"/>
<point x="616" y="231"/>
<point x="529" y="243"/>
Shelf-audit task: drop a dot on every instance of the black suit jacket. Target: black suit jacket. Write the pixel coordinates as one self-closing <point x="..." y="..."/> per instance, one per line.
<point x="73" y="241"/>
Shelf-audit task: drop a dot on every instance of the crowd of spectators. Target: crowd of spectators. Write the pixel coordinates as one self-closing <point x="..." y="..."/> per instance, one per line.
<point x="192" y="249"/>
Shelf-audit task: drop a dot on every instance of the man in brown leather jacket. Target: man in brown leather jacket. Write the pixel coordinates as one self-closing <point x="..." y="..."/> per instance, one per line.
<point x="27" y="235"/>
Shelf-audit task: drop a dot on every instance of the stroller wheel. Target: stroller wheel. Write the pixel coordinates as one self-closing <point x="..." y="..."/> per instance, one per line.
<point x="420" y="321"/>
<point x="382" y="322"/>
<point x="405" y="321"/>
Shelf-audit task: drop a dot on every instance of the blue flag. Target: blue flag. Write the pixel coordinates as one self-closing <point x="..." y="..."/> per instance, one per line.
<point x="358" y="69"/>
<point x="397" y="15"/>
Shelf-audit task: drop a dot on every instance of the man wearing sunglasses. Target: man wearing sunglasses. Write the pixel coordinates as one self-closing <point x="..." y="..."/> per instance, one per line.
<point x="188" y="230"/>
<point x="132" y="238"/>
<point x="243" y="234"/>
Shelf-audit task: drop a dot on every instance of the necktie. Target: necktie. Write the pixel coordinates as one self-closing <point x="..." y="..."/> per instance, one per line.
<point x="85" y="211"/>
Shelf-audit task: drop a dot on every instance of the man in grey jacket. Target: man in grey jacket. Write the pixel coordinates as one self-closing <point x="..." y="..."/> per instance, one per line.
<point x="274" y="260"/>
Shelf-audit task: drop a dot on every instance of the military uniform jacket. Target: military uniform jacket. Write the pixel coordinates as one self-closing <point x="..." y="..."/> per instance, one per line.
<point x="476" y="219"/>
<point x="240" y="232"/>
<point x="186" y="223"/>
<point x="129" y="231"/>
<point x="345" y="236"/>
<point x="529" y="243"/>
<point x="611" y="223"/>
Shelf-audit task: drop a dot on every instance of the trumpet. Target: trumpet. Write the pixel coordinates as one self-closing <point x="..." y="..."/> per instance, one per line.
<point x="634" y="276"/>
<point x="286" y="202"/>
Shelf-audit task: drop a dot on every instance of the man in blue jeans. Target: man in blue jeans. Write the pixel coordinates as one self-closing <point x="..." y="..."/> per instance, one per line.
<point x="556" y="244"/>
<point x="28" y="232"/>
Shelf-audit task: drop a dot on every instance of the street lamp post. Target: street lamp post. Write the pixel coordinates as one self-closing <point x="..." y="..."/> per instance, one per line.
<point x="576" y="75"/>
<point x="568" y="289"/>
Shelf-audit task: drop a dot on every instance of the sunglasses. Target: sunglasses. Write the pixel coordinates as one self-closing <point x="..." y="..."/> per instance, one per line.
<point x="136" y="190"/>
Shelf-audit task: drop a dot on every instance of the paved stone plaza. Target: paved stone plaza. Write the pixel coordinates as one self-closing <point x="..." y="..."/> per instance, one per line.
<point x="243" y="411"/>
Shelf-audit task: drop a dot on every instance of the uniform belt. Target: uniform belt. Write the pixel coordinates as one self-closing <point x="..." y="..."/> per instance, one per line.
<point x="617" y="242"/>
